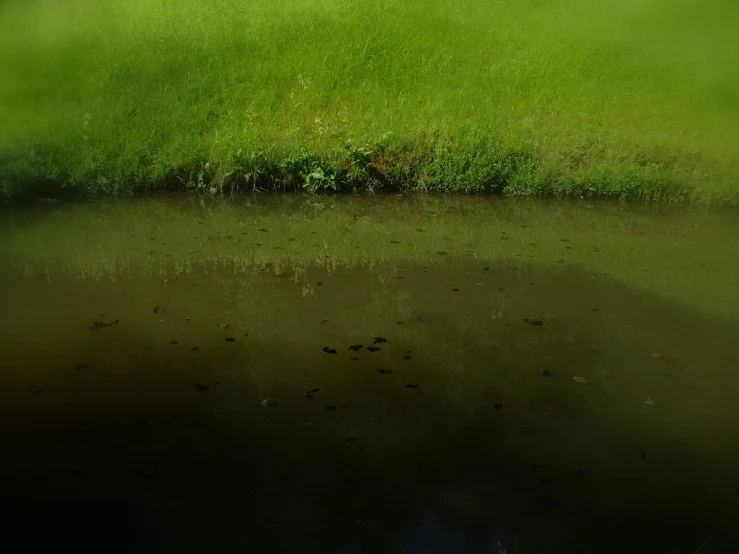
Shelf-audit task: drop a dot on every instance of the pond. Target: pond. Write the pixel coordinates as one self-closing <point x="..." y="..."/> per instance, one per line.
<point x="381" y="374"/>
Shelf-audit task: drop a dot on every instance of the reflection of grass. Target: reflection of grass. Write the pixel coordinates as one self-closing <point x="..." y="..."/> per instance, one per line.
<point x="673" y="253"/>
<point x="630" y="99"/>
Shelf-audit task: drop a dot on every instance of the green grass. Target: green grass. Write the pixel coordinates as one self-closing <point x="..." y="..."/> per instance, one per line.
<point x="617" y="98"/>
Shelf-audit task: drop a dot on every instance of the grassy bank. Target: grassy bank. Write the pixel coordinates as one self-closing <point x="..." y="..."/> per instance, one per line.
<point x="630" y="99"/>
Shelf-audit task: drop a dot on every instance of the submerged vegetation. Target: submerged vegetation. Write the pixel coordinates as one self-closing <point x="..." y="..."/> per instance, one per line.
<point x="631" y="99"/>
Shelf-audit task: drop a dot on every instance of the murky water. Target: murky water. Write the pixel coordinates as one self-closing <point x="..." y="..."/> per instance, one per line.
<point x="526" y="377"/>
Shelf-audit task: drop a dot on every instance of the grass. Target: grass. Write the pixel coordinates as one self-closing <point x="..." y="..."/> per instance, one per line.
<point x="633" y="99"/>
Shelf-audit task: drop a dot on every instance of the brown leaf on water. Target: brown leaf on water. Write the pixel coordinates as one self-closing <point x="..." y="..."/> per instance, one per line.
<point x="649" y="401"/>
<point x="580" y="380"/>
<point x="159" y="310"/>
<point x="323" y="320"/>
<point x="223" y="325"/>
<point x="605" y="372"/>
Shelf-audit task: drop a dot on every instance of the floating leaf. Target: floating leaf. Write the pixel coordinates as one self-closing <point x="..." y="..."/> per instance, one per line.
<point x="411" y="386"/>
<point x="328" y="350"/>
<point x="605" y="372"/>
<point x="581" y="380"/>
<point x="384" y="371"/>
<point x="159" y="310"/>
<point x="100" y="324"/>
<point x="372" y="348"/>
<point x="223" y="325"/>
<point x="323" y="320"/>
<point x="407" y="357"/>
<point x="355" y="347"/>
<point x="649" y="401"/>
<point x="378" y="339"/>
<point x="313" y="390"/>
<point x="230" y="339"/>
<point x="174" y="342"/>
<point x="271" y="403"/>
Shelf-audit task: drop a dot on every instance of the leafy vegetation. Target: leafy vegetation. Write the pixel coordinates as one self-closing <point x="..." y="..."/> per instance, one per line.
<point x="628" y="99"/>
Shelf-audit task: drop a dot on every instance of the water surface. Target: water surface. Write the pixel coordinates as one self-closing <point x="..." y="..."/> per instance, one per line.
<point x="463" y="429"/>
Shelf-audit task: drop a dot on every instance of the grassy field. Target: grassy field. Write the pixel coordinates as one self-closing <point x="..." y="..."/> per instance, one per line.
<point x="616" y="98"/>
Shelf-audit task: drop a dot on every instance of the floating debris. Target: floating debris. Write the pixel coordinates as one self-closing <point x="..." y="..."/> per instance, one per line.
<point x="486" y="269"/>
<point x="200" y="387"/>
<point x="174" y="342"/>
<point x="223" y="325"/>
<point x="373" y="348"/>
<point x="455" y="290"/>
<point x="534" y="321"/>
<point x="355" y="359"/>
<point x="564" y="240"/>
<point x="263" y="230"/>
<point x="648" y="401"/>
<point x="580" y="380"/>
<point x="384" y="371"/>
<point x="313" y="390"/>
<point x="159" y="310"/>
<point x="82" y="366"/>
<point x="411" y="386"/>
<point x="378" y="339"/>
<point x="323" y="320"/>
<point x="230" y="339"/>
<point x="356" y="347"/>
<point x="394" y="242"/>
<point x="398" y="323"/>
<point x="330" y="408"/>
<point x="605" y="372"/>
<point x="583" y="472"/>
<point x="328" y="350"/>
<point x="195" y="348"/>
<point x="546" y="373"/>
<point x="420" y="320"/>
<point x="271" y="403"/>
<point x="407" y="357"/>
<point x="100" y="324"/>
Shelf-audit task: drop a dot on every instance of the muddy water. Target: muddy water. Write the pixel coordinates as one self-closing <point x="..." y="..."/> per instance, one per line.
<point x="493" y="376"/>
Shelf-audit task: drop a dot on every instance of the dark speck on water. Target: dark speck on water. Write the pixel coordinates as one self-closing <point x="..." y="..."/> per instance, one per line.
<point x="498" y="405"/>
<point x="378" y="340"/>
<point x="313" y="390"/>
<point x="81" y="366"/>
<point x="536" y="322"/>
<point x="200" y="387"/>
<point x="384" y="371"/>
<point x="372" y="348"/>
<point x="355" y="347"/>
<point x="546" y="373"/>
<point x="331" y="408"/>
<point x="407" y="357"/>
<point x="328" y="350"/>
<point x="411" y="386"/>
<point x="230" y="339"/>
<point x="355" y="359"/>
<point x="174" y="342"/>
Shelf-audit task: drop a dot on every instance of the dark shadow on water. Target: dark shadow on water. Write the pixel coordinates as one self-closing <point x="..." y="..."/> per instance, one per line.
<point x="123" y="454"/>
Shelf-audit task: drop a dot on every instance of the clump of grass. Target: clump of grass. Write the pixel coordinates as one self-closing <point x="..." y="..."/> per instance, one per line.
<point x="628" y="99"/>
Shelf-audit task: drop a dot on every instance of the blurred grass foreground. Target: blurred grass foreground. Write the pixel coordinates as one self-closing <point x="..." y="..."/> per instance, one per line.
<point x="634" y="99"/>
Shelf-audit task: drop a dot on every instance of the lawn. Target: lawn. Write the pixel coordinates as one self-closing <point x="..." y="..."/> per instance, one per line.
<point x="633" y="99"/>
